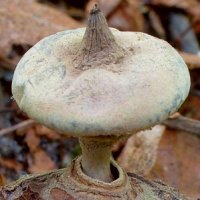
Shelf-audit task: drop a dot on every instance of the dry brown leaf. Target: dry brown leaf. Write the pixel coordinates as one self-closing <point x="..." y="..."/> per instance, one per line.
<point x="25" y="23"/>
<point x="44" y="131"/>
<point x="127" y="16"/>
<point x="156" y="24"/>
<point x="122" y="14"/>
<point x="193" y="104"/>
<point x="178" y="162"/>
<point x="2" y="180"/>
<point x="32" y="140"/>
<point x="190" y="6"/>
<point x="10" y="163"/>
<point x="140" y="151"/>
<point x="175" y="3"/>
<point x="41" y="162"/>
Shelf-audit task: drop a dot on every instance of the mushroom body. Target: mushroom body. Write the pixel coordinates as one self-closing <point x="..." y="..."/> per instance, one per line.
<point x="144" y="87"/>
<point x="100" y="84"/>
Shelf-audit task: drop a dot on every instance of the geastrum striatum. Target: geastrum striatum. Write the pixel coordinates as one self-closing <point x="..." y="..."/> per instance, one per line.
<point x="98" y="84"/>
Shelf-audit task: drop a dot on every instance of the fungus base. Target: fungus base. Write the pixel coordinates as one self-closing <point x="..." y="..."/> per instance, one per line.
<point x="72" y="184"/>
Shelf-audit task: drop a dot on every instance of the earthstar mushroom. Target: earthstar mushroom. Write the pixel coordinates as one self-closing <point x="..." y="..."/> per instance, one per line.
<point x="100" y="84"/>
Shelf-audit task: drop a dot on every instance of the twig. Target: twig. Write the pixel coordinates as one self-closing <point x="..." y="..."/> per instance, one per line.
<point x="23" y="124"/>
<point x="184" y="124"/>
<point x="193" y="61"/>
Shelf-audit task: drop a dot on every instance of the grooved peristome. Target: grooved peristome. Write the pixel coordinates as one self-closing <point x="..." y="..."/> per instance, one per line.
<point x="98" y="45"/>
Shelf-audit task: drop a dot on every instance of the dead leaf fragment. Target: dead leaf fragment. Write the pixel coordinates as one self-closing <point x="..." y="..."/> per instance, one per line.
<point x="192" y="6"/>
<point x="10" y="163"/>
<point x="49" y="133"/>
<point x="140" y="152"/>
<point x="127" y="16"/>
<point x="41" y="162"/>
<point x="178" y="162"/>
<point x="2" y="180"/>
<point x="27" y="23"/>
<point x="32" y="140"/>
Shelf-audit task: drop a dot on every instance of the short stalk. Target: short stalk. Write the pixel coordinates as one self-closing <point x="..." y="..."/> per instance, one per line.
<point x="96" y="157"/>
